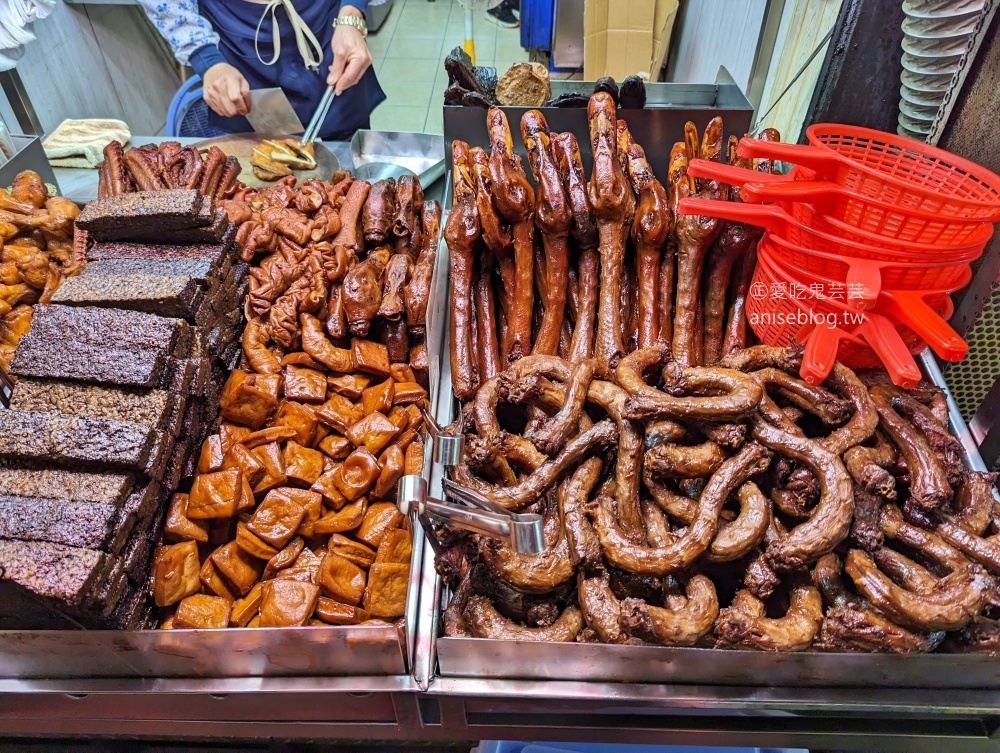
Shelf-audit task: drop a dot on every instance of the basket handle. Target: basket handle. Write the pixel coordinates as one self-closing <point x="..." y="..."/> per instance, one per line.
<point x="910" y="308"/>
<point x="730" y="174"/>
<point x="820" y="193"/>
<point x="820" y="354"/>
<point x="883" y="338"/>
<point x="799" y="154"/>
<point x="771" y="218"/>
<point x="863" y="283"/>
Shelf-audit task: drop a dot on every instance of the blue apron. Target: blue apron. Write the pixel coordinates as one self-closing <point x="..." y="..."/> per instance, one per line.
<point x="236" y="22"/>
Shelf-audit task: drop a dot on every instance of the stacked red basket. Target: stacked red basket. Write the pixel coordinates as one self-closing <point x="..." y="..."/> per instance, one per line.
<point x="865" y="239"/>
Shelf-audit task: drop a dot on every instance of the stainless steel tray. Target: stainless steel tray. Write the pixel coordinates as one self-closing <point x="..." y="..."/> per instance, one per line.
<point x="350" y="651"/>
<point x="421" y="153"/>
<point x="580" y="663"/>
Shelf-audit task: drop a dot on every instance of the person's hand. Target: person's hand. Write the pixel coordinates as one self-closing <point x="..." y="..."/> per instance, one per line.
<point x="351" y="57"/>
<point x="226" y="91"/>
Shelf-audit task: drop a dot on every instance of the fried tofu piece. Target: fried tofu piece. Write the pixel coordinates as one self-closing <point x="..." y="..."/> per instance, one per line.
<point x="413" y="463"/>
<point x="214" y="582"/>
<point x="175" y="573"/>
<point x="349" y="517"/>
<point x="351" y="386"/>
<point x="310" y="501"/>
<point x="385" y="594"/>
<point x="253" y="544"/>
<point x="299" y="417"/>
<point x="231" y="434"/>
<point x="240" y="457"/>
<point x="240" y="568"/>
<point x="340" y="413"/>
<point x="285" y="603"/>
<point x="215" y="495"/>
<point x="374" y="432"/>
<point x="379" y="397"/>
<point x="370" y="357"/>
<point x="249" y="399"/>
<point x="327" y="489"/>
<point x="334" y="613"/>
<point x="341" y="579"/>
<point x="211" y="455"/>
<point x="381" y="518"/>
<point x="302" y="464"/>
<point x="276" y="519"/>
<point x="304" y="385"/>
<point x="179" y="527"/>
<point x="357" y="474"/>
<point x="396" y="547"/>
<point x="202" y="611"/>
<point x="273" y="460"/>
<point x="246" y="608"/>
<point x="285" y="558"/>
<point x="407" y="393"/>
<point x="356" y="552"/>
<point x="336" y="447"/>
<point x="393" y="463"/>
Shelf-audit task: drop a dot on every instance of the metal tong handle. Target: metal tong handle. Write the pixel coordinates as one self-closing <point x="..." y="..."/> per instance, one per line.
<point x="322" y="110"/>
<point x="522" y="532"/>
<point x="448" y="448"/>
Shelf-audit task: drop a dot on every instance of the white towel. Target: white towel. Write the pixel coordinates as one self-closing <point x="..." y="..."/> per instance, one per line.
<point x="80" y="143"/>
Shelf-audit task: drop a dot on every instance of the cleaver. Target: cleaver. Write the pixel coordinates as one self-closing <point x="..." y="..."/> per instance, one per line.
<point x="271" y="113"/>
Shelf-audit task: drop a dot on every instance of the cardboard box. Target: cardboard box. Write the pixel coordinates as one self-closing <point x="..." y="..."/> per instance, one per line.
<point x="626" y="37"/>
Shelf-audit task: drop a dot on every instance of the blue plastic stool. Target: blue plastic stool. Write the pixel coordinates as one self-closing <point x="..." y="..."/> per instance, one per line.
<point x="188" y="113"/>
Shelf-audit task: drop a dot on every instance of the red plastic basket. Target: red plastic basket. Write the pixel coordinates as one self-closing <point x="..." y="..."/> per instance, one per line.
<point x="872" y="215"/>
<point x="785" y="320"/>
<point x="815" y="231"/>
<point x="868" y="277"/>
<point x="904" y="172"/>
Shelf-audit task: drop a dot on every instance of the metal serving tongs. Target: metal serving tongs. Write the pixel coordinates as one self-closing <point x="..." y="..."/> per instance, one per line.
<point x="318" y="117"/>
<point x="462" y="507"/>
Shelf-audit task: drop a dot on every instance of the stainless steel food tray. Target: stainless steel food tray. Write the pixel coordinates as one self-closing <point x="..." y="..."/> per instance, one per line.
<point x="421" y="153"/>
<point x="349" y="651"/>
<point x="477" y="658"/>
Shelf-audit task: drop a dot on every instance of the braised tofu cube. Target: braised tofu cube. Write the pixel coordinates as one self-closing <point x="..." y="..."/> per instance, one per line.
<point x="328" y="490"/>
<point x="285" y="558"/>
<point x="267" y="435"/>
<point x="239" y="568"/>
<point x="246" y="608"/>
<point x="374" y="432"/>
<point x="392" y="463"/>
<point x="385" y="594"/>
<point x="357" y="474"/>
<point x="240" y="457"/>
<point x="413" y="464"/>
<point x="215" y="583"/>
<point x="419" y="363"/>
<point x="305" y="385"/>
<point x="249" y="399"/>
<point x="381" y="518"/>
<point x="347" y="518"/>
<point x="310" y="501"/>
<point x="202" y="611"/>
<point x="286" y="603"/>
<point x="211" y="455"/>
<point x="351" y="386"/>
<point x="336" y="447"/>
<point x="341" y="579"/>
<point x="370" y="357"/>
<point x="215" y="495"/>
<point x="395" y="548"/>
<point x="302" y="465"/>
<point x="379" y="397"/>
<point x="340" y="413"/>
<point x="356" y="552"/>
<point x="399" y="417"/>
<point x="179" y="527"/>
<point x="276" y="519"/>
<point x="334" y="613"/>
<point x="273" y="460"/>
<point x="298" y="358"/>
<point x="175" y="573"/>
<point x="407" y="393"/>
<point x="401" y="372"/>
<point x="231" y="434"/>
<point x="252" y="544"/>
<point x="300" y="417"/>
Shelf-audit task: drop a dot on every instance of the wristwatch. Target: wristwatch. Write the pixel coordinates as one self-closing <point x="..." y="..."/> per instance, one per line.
<point x="356" y="21"/>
